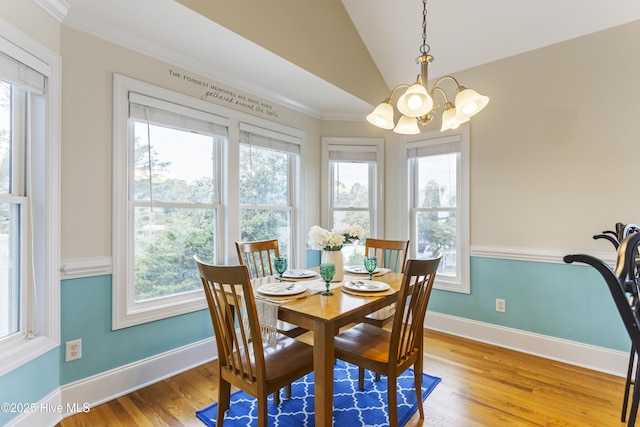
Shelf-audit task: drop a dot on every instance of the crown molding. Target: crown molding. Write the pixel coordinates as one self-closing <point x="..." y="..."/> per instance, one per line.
<point x="87" y="24"/>
<point x="56" y="8"/>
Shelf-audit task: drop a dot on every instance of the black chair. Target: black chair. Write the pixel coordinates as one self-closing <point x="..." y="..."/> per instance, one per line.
<point x="623" y="285"/>
<point x="621" y="232"/>
<point x="617" y="236"/>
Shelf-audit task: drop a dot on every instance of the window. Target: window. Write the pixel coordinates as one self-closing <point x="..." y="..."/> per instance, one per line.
<point x="439" y="204"/>
<point x="29" y="182"/>
<point x="354" y="187"/>
<point x="171" y="155"/>
<point x="268" y="176"/>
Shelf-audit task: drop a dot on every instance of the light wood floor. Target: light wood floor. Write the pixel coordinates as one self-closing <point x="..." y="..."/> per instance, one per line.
<point x="481" y="385"/>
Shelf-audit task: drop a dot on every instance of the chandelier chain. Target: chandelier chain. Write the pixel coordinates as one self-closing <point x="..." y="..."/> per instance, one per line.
<point x="425" y="48"/>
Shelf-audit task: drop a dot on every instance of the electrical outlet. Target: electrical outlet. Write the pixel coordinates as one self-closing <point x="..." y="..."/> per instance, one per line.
<point x="501" y="305"/>
<point x="73" y="350"/>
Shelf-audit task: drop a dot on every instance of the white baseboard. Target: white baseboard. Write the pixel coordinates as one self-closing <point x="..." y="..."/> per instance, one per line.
<point x="573" y="353"/>
<point x="89" y="392"/>
<point x="47" y="412"/>
<point x="125" y="379"/>
<point x="92" y="391"/>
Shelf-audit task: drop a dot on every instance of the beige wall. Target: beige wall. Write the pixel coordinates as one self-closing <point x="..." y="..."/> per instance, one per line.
<point x="88" y="67"/>
<point x="315" y="35"/>
<point x="554" y="156"/>
<point x="31" y="19"/>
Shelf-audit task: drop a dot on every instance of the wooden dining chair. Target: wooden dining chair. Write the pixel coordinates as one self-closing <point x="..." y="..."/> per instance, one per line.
<point x="391" y="254"/>
<point x="244" y="361"/>
<point x="392" y="352"/>
<point x="258" y="256"/>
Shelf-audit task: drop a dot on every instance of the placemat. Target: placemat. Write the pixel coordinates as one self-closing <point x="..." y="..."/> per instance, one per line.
<point x="368" y="294"/>
<point x="284" y="298"/>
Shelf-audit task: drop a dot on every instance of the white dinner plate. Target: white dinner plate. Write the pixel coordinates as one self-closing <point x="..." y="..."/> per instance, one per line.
<point x="299" y="274"/>
<point x="366" y="286"/>
<point x="358" y="269"/>
<point x="279" y="289"/>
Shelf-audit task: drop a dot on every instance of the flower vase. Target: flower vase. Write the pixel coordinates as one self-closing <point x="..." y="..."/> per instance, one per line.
<point x="335" y="258"/>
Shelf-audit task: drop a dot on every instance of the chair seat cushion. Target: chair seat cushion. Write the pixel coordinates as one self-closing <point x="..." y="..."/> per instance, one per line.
<point x="289" y="356"/>
<point x="363" y="341"/>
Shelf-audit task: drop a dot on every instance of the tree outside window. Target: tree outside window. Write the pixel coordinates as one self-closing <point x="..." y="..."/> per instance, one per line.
<point x="439" y="198"/>
<point x="351" y="202"/>
<point x="172" y="209"/>
<point x="268" y="176"/>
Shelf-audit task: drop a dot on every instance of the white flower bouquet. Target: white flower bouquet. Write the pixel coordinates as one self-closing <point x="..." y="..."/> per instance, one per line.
<point x="334" y="240"/>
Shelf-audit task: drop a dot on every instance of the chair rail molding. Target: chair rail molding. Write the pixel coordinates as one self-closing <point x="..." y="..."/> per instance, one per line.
<point x="536" y="254"/>
<point x="85" y="267"/>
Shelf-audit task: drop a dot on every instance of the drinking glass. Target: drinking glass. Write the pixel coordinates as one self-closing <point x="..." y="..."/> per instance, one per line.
<point x="280" y="263"/>
<point x="327" y="271"/>
<point x="370" y="264"/>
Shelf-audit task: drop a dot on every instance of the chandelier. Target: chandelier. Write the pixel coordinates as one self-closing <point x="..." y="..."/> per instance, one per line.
<point x="416" y="104"/>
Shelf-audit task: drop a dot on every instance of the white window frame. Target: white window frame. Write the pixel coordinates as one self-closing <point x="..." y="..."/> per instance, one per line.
<point x="437" y="141"/>
<point x="355" y="149"/>
<point x="127" y="312"/>
<point x="291" y="145"/>
<point x="40" y="281"/>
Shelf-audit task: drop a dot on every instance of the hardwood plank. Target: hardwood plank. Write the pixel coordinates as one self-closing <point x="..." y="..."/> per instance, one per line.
<point x="482" y="385"/>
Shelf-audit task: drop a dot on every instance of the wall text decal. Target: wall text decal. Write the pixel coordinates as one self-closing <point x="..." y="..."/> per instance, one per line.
<point x="223" y="95"/>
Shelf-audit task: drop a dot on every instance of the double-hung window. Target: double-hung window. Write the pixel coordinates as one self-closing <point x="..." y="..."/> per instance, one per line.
<point x="171" y="156"/>
<point x="29" y="232"/>
<point x="354" y="188"/>
<point x="439" y="204"/>
<point x="268" y="174"/>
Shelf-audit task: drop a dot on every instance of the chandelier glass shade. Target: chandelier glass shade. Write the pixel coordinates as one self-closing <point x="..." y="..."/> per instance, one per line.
<point x="416" y="104"/>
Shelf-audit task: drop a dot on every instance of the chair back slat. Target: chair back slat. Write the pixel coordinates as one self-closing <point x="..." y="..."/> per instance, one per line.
<point x="234" y="317"/>
<point x="258" y="256"/>
<point x="415" y="291"/>
<point x="391" y="254"/>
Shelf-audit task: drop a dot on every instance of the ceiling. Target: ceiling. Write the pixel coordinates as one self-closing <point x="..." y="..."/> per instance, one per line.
<point x="461" y="33"/>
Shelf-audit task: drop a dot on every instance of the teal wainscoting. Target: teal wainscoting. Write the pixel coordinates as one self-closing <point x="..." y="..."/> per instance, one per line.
<point x="570" y="302"/>
<point x="563" y="301"/>
<point x="566" y="301"/>
<point x="30" y="383"/>
<point x="86" y="314"/>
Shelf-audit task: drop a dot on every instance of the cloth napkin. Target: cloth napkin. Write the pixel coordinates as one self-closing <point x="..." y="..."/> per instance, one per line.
<point x="267" y="310"/>
<point x="268" y="320"/>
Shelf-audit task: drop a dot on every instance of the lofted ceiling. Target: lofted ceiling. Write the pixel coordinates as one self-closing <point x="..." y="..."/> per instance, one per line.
<point x="461" y="33"/>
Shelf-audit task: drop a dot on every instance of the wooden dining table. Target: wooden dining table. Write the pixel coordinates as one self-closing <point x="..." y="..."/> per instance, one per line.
<point x="325" y="315"/>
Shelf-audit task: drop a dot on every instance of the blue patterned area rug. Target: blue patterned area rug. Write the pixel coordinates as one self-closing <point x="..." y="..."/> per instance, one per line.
<point x="351" y="407"/>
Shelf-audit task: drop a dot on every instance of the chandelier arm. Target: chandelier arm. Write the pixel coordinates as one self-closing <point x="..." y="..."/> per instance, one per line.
<point x="446" y="100"/>
<point x="444" y="78"/>
<point x="393" y="91"/>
